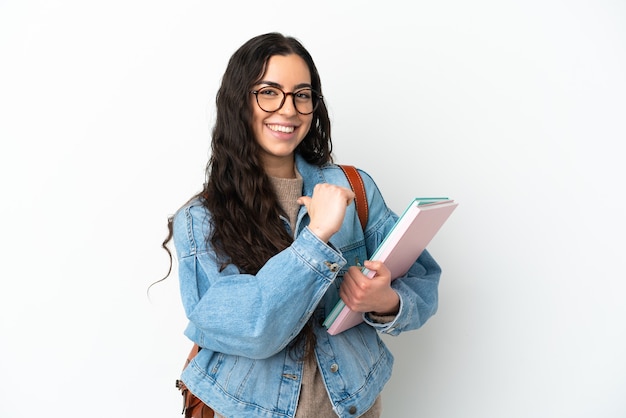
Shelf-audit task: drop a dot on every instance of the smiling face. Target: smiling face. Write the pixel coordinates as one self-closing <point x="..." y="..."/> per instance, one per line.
<point x="279" y="133"/>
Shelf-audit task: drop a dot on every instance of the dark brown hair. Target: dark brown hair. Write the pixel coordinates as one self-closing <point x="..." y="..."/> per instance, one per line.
<point x="242" y="203"/>
<point x="246" y="228"/>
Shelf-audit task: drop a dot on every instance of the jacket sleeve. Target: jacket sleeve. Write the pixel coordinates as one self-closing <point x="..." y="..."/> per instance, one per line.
<point x="254" y="316"/>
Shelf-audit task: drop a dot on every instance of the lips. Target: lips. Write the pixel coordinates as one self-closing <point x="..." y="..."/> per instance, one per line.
<point x="281" y="128"/>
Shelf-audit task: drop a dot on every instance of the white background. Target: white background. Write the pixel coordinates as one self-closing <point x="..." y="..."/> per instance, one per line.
<point x="515" y="109"/>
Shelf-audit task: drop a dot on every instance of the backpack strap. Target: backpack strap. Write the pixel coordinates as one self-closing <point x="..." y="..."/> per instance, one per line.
<point x="193" y="407"/>
<point x="360" y="198"/>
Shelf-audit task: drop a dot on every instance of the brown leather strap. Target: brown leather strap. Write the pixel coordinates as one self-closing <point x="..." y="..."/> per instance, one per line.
<point x="360" y="199"/>
<point x="192" y="354"/>
<point x="193" y="407"/>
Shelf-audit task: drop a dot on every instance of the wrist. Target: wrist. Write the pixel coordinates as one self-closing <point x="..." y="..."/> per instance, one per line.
<point x="319" y="232"/>
<point x="390" y="309"/>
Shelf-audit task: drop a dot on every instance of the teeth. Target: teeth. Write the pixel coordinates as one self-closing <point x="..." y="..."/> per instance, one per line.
<point x="281" y="128"/>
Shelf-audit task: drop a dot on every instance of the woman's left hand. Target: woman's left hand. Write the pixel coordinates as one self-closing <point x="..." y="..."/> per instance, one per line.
<point x="362" y="294"/>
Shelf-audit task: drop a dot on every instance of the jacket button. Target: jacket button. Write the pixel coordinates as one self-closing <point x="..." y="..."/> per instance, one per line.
<point x="352" y="410"/>
<point x="334" y="267"/>
<point x="334" y="367"/>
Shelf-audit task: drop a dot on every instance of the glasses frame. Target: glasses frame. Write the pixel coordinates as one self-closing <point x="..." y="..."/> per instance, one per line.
<point x="314" y="96"/>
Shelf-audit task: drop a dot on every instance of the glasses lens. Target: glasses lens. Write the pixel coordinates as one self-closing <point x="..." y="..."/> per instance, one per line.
<point x="270" y="99"/>
<point x="305" y="101"/>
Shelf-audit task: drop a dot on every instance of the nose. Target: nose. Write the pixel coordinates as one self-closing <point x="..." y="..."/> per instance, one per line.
<point x="288" y="107"/>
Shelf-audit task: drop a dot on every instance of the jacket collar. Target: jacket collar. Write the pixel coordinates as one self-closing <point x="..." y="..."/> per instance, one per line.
<point x="311" y="174"/>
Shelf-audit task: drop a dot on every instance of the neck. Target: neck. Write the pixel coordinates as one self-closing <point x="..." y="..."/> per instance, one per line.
<point x="283" y="168"/>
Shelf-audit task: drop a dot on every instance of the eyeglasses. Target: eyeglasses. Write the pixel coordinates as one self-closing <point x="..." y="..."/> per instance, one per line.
<point x="270" y="99"/>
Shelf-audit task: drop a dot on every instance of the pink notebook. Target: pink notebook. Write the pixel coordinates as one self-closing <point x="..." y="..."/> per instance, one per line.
<point x="415" y="228"/>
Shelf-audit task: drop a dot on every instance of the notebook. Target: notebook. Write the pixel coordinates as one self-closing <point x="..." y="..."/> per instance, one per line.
<point x="413" y="231"/>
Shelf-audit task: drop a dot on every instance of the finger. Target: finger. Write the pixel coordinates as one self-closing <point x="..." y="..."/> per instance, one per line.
<point x="351" y="197"/>
<point x="304" y="200"/>
<point x="374" y="265"/>
<point x="357" y="282"/>
<point x="378" y="266"/>
<point x="346" y="295"/>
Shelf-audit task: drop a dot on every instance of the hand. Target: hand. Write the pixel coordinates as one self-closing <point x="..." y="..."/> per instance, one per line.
<point x="362" y="294"/>
<point x="327" y="208"/>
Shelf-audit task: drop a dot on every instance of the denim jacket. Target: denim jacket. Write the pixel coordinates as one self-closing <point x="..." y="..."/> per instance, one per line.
<point x="245" y="322"/>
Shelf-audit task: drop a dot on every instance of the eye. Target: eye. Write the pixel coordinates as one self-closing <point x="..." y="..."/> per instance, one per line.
<point x="269" y="92"/>
<point x="303" y="95"/>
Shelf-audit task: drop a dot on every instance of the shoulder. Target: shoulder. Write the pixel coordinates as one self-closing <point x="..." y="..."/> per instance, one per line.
<point x="372" y="192"/>
<point x="191" y="224"/>
<point x="378" y="213"/>
<point x="190" y="210"/>
<point x="334" y="173"/>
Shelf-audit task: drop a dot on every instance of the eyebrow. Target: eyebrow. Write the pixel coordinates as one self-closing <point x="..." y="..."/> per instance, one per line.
<point x="296" y="87"/>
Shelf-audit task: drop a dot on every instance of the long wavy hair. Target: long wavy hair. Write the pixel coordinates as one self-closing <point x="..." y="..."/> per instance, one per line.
<point x="246" y="227"/>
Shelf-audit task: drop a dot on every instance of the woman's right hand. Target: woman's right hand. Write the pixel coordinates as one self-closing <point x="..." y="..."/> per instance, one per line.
<point x="327" y="208"/>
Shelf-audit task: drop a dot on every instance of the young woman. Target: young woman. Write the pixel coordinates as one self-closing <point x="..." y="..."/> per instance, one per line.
<point x="271" y="244"/>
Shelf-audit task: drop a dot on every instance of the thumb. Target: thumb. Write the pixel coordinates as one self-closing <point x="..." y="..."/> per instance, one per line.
<point x="304" y="200"/>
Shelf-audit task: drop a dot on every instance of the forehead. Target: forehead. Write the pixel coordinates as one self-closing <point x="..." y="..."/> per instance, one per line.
<point x="287" y="70"/>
